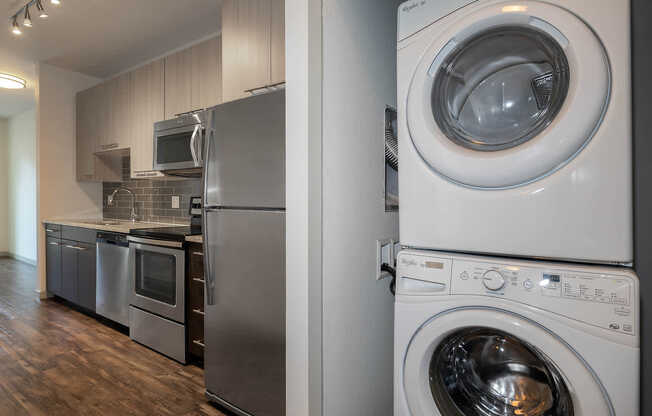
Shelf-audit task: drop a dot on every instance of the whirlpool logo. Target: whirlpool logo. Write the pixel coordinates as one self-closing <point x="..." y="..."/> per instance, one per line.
<point x="408" y="7"/>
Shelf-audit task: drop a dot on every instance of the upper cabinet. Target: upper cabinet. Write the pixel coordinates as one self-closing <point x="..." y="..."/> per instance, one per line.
<point x="193" y="78"/>
<point x="118" y="134"/>
<point x="206" y="76"/>
<point x="178" y="83"/>
<point x="253" y="46"/>
<point x="277" y="54"/>
<point x="147" y="104"/>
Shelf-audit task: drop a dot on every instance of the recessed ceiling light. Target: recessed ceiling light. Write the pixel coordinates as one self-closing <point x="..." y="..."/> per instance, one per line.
<point x="55" y="2"/>
<point x="11" y="82"/>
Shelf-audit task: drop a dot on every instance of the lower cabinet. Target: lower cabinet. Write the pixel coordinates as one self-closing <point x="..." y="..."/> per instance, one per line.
<point x="71" y="268"/>
<point x="53" y="265"/>
<point x="195" y="312"/>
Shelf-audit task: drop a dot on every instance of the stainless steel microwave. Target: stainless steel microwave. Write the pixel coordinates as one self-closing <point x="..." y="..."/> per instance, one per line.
<point x="178" y="143"/>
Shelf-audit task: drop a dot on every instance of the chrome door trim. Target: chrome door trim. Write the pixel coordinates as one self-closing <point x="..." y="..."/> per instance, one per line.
<point x="174" y="312"/>
<point x="151" y="242"/>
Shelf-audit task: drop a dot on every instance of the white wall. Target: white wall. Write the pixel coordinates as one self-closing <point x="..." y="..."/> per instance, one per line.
<point x="21" y="189"/>
<point x="59" y="193"/>
<point x="356" y="58"/>
<point x="4" y="227"/>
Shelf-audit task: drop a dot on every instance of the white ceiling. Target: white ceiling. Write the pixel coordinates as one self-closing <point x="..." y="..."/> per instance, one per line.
<point x="98" y="38"/>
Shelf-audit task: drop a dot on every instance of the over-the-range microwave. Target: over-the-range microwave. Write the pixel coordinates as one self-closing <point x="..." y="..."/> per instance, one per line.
<point x="178" y="145"/>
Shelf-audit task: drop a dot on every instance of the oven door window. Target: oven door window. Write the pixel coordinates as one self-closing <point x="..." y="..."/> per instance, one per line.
<point x="156" y="276"/>
<point x="174" y="148"/>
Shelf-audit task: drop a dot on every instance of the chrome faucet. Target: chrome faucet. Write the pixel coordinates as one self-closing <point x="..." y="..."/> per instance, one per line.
<point x="133" y="200"/>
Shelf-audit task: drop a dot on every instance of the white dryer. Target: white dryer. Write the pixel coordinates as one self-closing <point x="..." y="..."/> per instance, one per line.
<point x="480" y="336"/>
<point x="515" y="127"/>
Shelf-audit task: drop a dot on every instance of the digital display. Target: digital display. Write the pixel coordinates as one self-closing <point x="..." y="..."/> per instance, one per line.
<point x="553" y="278"/>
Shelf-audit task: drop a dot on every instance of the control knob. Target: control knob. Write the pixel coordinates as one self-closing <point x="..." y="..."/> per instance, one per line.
<point x="493" y="280"/>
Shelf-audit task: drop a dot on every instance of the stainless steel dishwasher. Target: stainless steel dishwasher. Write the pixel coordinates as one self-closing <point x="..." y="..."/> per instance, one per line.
<point x="113" y="288"/>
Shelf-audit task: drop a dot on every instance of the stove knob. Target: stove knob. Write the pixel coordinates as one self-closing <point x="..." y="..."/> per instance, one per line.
<point x="493" y="280"/>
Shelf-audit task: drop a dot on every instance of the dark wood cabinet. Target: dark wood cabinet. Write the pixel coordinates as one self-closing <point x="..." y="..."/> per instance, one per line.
<point x="195" y="301"/>
<point x="71" y="264"/>
<point x="53" y="265"/>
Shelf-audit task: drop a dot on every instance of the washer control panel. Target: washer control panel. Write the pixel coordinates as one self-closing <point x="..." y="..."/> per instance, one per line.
<point x="603" y="299"/>
<point x="603" y="296"/>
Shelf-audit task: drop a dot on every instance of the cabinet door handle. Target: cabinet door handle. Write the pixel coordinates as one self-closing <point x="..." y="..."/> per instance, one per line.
<point x="52" y="243"/>
<point x="202" y="281"/>
<point x="198" y="253"/>
<point x="76" y="248"/>
<point x="48" y="230"/>
<point x="198" y="342"/>
<point x="199" y="312"/>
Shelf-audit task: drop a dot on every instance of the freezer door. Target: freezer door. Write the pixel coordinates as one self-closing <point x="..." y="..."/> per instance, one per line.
<point x="245" y="153"/>
<point x="245" y="328"/>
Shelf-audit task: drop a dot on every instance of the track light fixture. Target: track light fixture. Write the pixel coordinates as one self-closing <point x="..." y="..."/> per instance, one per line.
<point x="15" y="28"/>
<point x="41" y="10"/>
<point x="27" y="21"/>
<point x="27" y="18"/>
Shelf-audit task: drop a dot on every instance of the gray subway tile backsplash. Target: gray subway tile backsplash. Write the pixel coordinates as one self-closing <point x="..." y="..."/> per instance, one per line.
<point x="153" y="198"/>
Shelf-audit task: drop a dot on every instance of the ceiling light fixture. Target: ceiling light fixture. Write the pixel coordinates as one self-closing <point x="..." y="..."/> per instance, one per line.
<point x="55" y="2"/>
<point x="42" y="13"/>
<point x="11" y="82"/>
<point x="15" y="28"/>
<point x="27" y="22"/>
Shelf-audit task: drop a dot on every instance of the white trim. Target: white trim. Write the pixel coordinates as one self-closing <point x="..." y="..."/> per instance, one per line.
<point x="19" y="258"/>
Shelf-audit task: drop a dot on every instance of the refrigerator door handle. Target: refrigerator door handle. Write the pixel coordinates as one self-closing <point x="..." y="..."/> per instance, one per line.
<point x="209" y="277"/>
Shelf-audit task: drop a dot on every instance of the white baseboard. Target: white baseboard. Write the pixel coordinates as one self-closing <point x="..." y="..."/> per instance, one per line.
<point x="18" y="258"/>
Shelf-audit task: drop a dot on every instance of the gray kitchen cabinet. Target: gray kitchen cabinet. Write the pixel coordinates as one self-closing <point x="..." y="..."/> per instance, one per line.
<point x="68" y="271"/>
<point x="253" y="46"/>
<point x="86" y="275"/>
<point x="71" y="265"/>
<point x="53" y="265"/>
<point x="148" y="105"/>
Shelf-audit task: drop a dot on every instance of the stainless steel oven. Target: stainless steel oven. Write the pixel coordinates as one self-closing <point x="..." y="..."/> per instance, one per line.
<point x="178" y="143"/>
<point x="158" y="277"/>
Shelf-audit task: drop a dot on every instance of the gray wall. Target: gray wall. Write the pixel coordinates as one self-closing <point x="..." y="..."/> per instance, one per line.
<point x="642" y="90"/>
<point x="153" y="198"/>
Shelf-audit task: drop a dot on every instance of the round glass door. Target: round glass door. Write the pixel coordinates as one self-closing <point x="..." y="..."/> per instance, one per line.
<point x="504" y="96"/>
<point x="500" y="88"/>
<point x="486" y="372"/>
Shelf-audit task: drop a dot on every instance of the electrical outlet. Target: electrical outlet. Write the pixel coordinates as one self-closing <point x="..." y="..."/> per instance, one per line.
<point x="384" y="254"/>
<point x="175" y="201"/>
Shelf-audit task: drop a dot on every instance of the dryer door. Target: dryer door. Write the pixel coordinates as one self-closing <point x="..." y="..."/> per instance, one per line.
<point x="509" y="93"/>
<point x="488" y="362"/>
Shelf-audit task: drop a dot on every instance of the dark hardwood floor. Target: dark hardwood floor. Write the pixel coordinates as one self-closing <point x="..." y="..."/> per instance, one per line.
<point x="57" y="361"/>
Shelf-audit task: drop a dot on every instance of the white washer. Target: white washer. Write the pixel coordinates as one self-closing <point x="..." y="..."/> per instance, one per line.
<point x="515" y="127"/>
<point x="480" y="336"/>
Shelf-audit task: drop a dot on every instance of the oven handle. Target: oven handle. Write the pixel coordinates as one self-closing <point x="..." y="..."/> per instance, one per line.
<point x="160" y="243"/>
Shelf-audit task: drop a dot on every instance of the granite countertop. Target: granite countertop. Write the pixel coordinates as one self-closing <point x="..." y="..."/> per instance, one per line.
<point x="116" y="226"/>
<point x="195" y="239"/>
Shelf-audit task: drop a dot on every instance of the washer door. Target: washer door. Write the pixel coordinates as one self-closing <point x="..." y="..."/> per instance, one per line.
<point x="489" y="362"/>
<point x="508" y="94"/>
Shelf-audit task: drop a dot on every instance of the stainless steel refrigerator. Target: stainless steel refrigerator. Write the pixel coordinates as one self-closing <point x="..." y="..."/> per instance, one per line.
<point x="244" y="255"/>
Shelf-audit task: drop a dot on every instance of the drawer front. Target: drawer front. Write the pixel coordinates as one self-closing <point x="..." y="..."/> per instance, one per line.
<point x="53" y="230"/>
<point x="83" y="235"/>
<point x="196" y="294"/>
<point x="159" y="334"/>
<point x="196" y="336"/>
<point x="196" y="253"/>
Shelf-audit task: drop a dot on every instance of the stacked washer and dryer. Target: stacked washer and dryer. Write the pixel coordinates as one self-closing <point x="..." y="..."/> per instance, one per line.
<point x="515" y="293"/>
